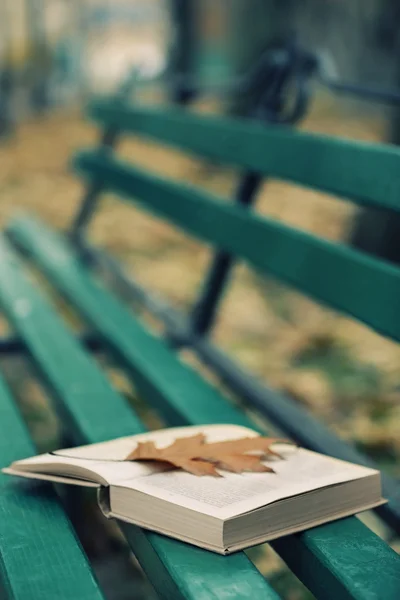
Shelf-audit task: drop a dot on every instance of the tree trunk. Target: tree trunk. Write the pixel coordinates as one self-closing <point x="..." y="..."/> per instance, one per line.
<point x="184" y="49"/>
<point x="255" y="25"/>
<point x="378" y="232"/>
<point x="6" y="72"/>
<point x="39" y="56"/>
<point x="79" y="54"/>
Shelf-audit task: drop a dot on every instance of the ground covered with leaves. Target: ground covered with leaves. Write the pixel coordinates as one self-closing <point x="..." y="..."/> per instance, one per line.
<point x="347" y="375"/>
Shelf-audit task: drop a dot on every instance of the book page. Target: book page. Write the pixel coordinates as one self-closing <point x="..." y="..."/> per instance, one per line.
<point x="105" y="472"/>
<point x="235" y="494"/>
<point x="104" y="462"/>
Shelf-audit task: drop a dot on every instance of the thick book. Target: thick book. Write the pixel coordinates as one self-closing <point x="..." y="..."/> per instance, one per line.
<point x="223" y="514"/>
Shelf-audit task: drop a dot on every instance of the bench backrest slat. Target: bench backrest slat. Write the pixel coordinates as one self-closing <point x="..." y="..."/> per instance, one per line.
<point x="367" y="174"/>
<point x="344" y="279"/>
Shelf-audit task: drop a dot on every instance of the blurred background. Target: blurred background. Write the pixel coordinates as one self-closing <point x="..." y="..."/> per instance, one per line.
<point x="56" y="54"/>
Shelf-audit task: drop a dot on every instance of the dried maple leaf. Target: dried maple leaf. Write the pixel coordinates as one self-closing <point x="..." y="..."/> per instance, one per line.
<point x="199" y="457"/>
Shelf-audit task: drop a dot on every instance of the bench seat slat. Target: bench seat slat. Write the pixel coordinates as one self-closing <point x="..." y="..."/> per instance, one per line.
<point x="340" y="277"/>
<point x="95" y="412"/>
<point x="166" y="381"/>
<point x="36" y="538"/>
<point x="367" y="174"/>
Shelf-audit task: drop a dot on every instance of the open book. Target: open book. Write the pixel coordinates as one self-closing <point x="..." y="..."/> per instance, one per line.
<point x="223" y="514"/>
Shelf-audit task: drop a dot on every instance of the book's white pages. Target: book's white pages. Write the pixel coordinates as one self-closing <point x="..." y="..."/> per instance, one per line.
<point x="224" y="513"/>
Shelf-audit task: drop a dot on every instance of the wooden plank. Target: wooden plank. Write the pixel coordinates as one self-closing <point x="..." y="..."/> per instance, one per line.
<point x="95" y="412"/>
<point x="168" y="384"/>
<point x="368" y="174"/>
<point x="342" y="278"/>
<point x="358" y="561"/>
<point x="40" y="557"/>
<point x="52" y="343"/>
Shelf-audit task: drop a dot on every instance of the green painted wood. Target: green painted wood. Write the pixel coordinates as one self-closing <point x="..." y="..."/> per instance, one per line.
<point x="165" y="382"/>
<point x="50" y="344"/>
<point x="40" y="557"/>
<point x="344" y="279"/>
<point x="368" y="174"/>
<point x="95" y="412"/>
<point x="196" y="573"/>
<point x="161" y="378"/>
<point x="369" y="570"/>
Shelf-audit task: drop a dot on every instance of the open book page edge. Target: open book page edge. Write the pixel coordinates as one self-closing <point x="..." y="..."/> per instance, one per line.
<point x="309" y="525"/>
<point x="248" y="543"/>
<point x="250" y="491"/>
<point x="52" y="478"/>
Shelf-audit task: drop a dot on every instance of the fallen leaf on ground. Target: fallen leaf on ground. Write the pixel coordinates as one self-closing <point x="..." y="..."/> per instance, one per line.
<point x="199" y="457"/>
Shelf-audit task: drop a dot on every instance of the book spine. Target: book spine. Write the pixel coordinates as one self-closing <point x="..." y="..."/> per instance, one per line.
<point x="103" y="499"/>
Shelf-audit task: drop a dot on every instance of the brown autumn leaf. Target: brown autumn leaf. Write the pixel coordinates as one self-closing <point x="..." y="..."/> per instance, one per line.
<point x="199" y="457"/>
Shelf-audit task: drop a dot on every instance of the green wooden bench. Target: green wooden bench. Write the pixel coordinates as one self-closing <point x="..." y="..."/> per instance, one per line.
<point x="340" y="560"/>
